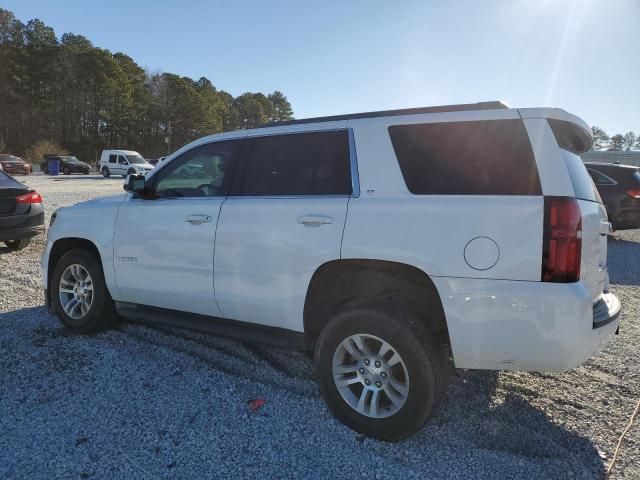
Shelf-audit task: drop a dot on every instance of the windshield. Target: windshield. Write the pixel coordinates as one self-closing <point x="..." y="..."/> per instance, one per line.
<point x="71" y="159"/>
<point x="136" y="159"/>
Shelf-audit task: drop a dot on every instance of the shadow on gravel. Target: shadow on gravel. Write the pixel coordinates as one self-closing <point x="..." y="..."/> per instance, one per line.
<point x="484" y="420"/>
<point x="87" y="178"/>
<point x="623" y="261"/>
<point x="142" y="374"/>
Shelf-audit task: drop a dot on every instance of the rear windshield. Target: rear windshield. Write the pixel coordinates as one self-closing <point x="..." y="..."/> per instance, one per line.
<point x="136" y="159"/>
<point x="490" y="157"/>
<point x="583" y="185"/>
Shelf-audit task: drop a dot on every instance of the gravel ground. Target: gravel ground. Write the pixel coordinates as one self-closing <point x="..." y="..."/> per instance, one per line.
<point x="140" y="402"/>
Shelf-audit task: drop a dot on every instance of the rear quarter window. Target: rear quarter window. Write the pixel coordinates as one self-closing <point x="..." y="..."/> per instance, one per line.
<point x="491" y="157"/>
<point x="583" y="186"/>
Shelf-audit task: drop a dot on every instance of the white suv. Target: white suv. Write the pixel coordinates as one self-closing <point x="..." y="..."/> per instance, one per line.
<point x="384" y="243"/>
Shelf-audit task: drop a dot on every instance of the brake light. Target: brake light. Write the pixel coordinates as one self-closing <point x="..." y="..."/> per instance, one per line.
<point x="562" y="240"/>
<point x="33" y="197"/>
<point x="634" y="193"/>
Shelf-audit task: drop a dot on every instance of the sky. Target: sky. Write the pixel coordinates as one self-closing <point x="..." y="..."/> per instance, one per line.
<point x="333" y="57"/>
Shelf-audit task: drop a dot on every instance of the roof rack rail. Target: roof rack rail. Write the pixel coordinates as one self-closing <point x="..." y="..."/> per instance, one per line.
<point x="494" y="105"/>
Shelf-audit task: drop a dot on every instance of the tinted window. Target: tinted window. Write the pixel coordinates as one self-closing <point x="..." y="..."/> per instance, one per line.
<point x="200" y="172"/>
<point x="466" y="158"/>
<point x="599" y="178"/>
<point x="136" y="159"/>
<point x="583" y="186"/>
<point x="570" y="136"/>
<point x="299" y="164"/>
<point x="112" y="158"/>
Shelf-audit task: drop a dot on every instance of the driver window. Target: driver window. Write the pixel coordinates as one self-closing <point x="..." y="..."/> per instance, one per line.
<point x="200" y="172"/>
<point x="122" y="160"/>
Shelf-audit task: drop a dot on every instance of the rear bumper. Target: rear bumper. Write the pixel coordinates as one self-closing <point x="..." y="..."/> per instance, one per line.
<point x="16" y="171"/>
<point x="18" y="227"/>
<point x="627" y="219"/>
<point x="19" y="234"/>
<point x="606" y="310"/>
<point x="516" y="325"/>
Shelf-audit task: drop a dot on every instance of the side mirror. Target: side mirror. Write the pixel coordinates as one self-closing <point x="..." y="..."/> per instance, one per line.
<point x="135" y="184"/>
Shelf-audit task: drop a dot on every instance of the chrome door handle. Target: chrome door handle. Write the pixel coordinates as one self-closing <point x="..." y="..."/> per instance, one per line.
<point x="315" y="220"/>
<point x="197" y="219"/>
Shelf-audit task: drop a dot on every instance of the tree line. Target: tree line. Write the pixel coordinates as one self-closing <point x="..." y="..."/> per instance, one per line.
<point x="85" y="99"/>
<point x="618" y="142"/>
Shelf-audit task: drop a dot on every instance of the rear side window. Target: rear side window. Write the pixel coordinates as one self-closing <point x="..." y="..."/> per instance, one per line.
<point x="112" y="158"/>
<point x="583" y="186"/>
<point x="600" y="178"/>
<point x="491" y="157"/>
<point x="298" y="164"/>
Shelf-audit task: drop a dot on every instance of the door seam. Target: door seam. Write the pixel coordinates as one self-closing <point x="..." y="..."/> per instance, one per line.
<point x="213" y="273"/>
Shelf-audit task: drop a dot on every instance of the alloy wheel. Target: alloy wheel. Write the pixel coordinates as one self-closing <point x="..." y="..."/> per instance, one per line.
<point x="370" y="376"/>
<point x="76" y="291"/>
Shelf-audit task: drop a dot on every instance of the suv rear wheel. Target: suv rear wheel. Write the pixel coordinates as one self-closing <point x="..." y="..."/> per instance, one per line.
<point x="105" y="172"/>
<point x="380" y="372"/>
<point x="79" y="296"/>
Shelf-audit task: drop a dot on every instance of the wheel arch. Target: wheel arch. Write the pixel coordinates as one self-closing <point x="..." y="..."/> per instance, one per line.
<point x="340" y="284"/>
<point x="59" y="248"/>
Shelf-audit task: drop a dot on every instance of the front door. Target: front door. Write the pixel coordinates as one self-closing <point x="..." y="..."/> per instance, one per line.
<point x="164" y="246"/>
<point x="122" y="165"/>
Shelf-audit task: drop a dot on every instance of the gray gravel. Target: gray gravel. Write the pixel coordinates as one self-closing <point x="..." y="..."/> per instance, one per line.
<point x="140" y="402"/>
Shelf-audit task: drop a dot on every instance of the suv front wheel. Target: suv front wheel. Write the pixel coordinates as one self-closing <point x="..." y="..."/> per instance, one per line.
<point x="380" y="371"/>
<point x="79" y="296"/>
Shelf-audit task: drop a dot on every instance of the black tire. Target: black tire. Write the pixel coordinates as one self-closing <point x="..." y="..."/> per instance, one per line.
<point x="105" y="172"/>
<point x="16" y="245"/>
<point x="45" y="170"/>
<point x="66" y="171"/>
<point x="425" y="362"/>
<point x="102" y="313"/>
<point x="131" y="171"/>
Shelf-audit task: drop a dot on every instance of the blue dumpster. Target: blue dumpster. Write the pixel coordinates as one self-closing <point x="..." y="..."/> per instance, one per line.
<point x="54" y="166"/>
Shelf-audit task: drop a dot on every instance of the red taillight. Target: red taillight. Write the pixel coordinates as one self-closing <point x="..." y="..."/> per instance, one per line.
<point x="562" y="240"/>
<point x="634" y="193"/>
<point x="33" y="197"/>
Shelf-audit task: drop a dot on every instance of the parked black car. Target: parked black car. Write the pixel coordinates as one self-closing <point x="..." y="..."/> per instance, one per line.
<point x="68" y="164"/>
<point x="21" y="213"/>
<point x="619" y="187"/>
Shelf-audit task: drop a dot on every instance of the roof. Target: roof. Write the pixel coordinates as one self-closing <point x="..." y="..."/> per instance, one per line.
<point x="493" y="105"/>
<point x="610" y="165"/>
<point x="615" y="153"/>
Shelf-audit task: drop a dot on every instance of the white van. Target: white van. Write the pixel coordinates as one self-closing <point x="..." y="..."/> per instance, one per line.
<point x="122" y="162"/>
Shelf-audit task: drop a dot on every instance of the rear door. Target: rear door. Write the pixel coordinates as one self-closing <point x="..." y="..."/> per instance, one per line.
<point x="595" y="226"/>
<point x="284" y="218"/>
<point x="113" y="163"/>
